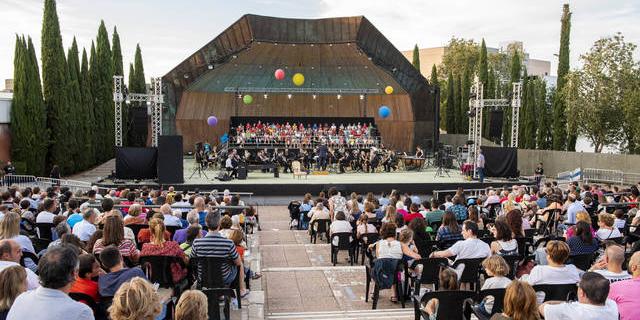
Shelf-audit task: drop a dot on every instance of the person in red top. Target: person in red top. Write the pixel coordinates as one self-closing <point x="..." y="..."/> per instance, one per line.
<point x="89" y="270"/>
<point x="160" y="247"/>
<point x="413" y="213"/>
<point x="144" y="235"/>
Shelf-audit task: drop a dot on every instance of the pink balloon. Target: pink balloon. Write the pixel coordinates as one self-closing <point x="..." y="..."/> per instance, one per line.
<point x="279" y="74"/>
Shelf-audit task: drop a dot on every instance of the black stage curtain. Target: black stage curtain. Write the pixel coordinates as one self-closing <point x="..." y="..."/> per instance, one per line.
<point x="500" y="162"/>
<point x="136" y="163"/>
<point x="170" y="164"/>
<point x="235" y="121"/>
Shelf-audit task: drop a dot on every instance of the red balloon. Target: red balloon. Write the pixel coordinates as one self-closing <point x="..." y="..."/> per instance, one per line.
<point x="279" y="74"/>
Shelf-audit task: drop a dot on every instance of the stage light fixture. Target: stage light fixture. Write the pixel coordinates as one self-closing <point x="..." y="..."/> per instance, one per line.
<point x="148" y="103"/>
<point x="210" y="67"/>
<point x="127" y="101"/>
<point x="289" y="95"/>
<point x="314" y="96"/>
<point x="186" y="76"/>
<point x="265" y="96"/>
<point x="339" y="97"/>
<point x="362" y="97"/>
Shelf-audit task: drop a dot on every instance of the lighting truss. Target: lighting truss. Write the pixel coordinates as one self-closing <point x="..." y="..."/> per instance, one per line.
<point x="476" y="107"/>
<point x="154" y="98"/>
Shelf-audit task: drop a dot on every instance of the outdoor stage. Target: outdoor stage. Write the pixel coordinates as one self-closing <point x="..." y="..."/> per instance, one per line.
<point x="264" y="184"/>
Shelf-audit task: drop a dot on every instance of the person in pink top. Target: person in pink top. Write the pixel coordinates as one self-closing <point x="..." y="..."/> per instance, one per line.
<point x="625" y="293"/>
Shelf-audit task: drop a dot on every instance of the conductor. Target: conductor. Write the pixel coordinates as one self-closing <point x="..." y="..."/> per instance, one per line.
<point x="323" y="153"/>
<point x="231" y="164"/>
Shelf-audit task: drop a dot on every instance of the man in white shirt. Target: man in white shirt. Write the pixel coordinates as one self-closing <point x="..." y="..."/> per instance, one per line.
<point x="169" y="218"/>
<point x="10" y="254"/>
<point x="573" y="207"/>
<point x="480" y="166"/>
<point x="470" y="248"/>
<point x="592" y="302"/>
<point x="86" y="228"/>
<point x="610" y="266"/>
<point x="47" y="215"/>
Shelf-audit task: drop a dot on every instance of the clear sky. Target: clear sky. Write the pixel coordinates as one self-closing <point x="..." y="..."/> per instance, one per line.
<point x="169" y="31"/>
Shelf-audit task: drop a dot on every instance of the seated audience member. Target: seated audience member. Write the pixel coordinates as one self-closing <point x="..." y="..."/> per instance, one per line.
<point x="47" y="215"/>
<point x="57" y="270"/>
<point x="144" y="235"/>
<point x="85" y="228"/>
<point x="606" y="229"/>
<point x="74" y="215"/>
<point x="10" y="230"/>
<point x="435" y="214"/>
<point x="475" y="217"/>
<point x="413" y="213"/>
<point x="180" y="236"/>
<point x="580" y="216"/>
<point x="89" y="269"/>
<point x="135" y="215"/>
<point x="159" y="247"/>
<point x="555" y="272"/>
<point x="406" y="240"/>
<point x="420" y="235"/>
<point x="504" y="245"/>
<point x="470" y="248"/>
<point x="390" y="215"/>
<point x="626" y="293"/>
<point x="610" y="265"/>
<point x="192" y="305"/>
<point x="450" y="229"/>
<point x="448" y="280"/>
<point x="340" y="225"/>
<point x="225" y="226"/>
<point x="583" y="241"/>
<point x="363" y="226"/>
<point x="592" y="302"/>
<point x="519" y="303"/>
<point x="317" y="213"/>
<point x="236" y="237"/>
<point x="388" y="247"/>
<point x="458" y="208"/>
<point x="13" y="282"/>
<point x="135" y="299"/>
<point x="215" y="245"/>
<point x="117" y="274"/>
<point x="169" y="218"/>
<point x="620" y="221"/>
<point x="193" y="233"/>
<point x="61" y="229"/>
<point x="497" y="269"/>
<point x="113" y="235"/>
<point x="517" y="223"/>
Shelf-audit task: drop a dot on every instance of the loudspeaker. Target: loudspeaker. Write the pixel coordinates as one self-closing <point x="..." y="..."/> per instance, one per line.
<point x="136" y="163"/>
<point x="242" y="173"/>
<point x="495" y="124"/>
<point x="170" y="166"/>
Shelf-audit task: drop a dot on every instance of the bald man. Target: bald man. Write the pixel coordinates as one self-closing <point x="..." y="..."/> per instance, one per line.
<point x="625" y="293"/>
<point x="610" y="266"/>
<point x="10" y="254"/>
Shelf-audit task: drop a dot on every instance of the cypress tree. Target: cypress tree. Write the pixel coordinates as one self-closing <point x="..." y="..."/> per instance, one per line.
<point x="137" y="84"/>
<point x="489" y="90"/>
<point x="81" y="160"/>
<point x="522" y="141"/>
<point x="560" y="140"/>
<point x="434" y="76"/>
<point x="483" y="68"/>
<point x="103" y="93"/>
<point x="543" y="134"/>
<point x="118" y="70"/>
<point x="416" y="58"/>
<point x="457" y="90"/>
<point x="515" y="77"/>
<point x="529" y="117"/>
<point x="37" y="114"/>
<point x="54" y="80"/>
<point x="450" y="105"/>
<point x="464" y="102"/>
<point x="88" y="119"/>
<point x="23" y="132"/>
<point x="98" y="114"/>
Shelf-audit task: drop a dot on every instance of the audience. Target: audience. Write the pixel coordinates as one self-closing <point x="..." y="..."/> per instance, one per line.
<point x="339" y="225"/>
<point x="10" y="254"/>
<point x="610" y="264"/>
<point x="113" y="235"/>
<point x="85" y="228"/>
<point x="193" y="305"/>
<point x="505" y="244"/>
<point x="606" y="227"/>
<point x="519" y="303"/>
<point x="13" y="282"/>
<point x="135" y="215"/>
<point x="58" y="271"/>
<point x="117" y="274"/>
<point x="555" y="272"/>
<point x="88" y="271"/>
<point x="626" y="293"/>
<point x="448" y="280"/>
<point x="583" y="241"/>
<point x="159" y="247"/>
<point x="144" y="235"/>
<point x="449" y="230"/>
<point x="592" y="302"/>
<point x="363" y="226"/>
<point x="136" y="299"/>
<point x="180" y="236"/>
<point x="193" y="232"/>
<point x="470" y="248"/>
<point x="169" y="218"/>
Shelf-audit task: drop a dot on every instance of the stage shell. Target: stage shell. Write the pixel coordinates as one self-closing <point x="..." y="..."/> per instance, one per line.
<point x="346" y="53"/>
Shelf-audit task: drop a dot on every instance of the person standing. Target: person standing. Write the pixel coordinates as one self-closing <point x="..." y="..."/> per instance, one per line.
<point x="538" y="174"/>
<point x="480" y="166"/>
<point x="323" y="153"/>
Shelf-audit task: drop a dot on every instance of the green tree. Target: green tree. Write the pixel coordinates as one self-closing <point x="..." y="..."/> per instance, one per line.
<point x="515" y="70"/>
<point x="464" y="101"/>
<point x="118" y="70"/>
<point x="88" y="118"/>
<point x="103" y="93"/>
<point x="522" y="140"/>
<point x="457" y="88"/>
<point x="81" y="160"/>
<point x="529" y="120"/>
<point x="416" y="58"/>
<point x="54" y="80"/>
<point x="98" y="114"/>
<point x="137" y="84"/>
<point x="483" y="68"/>
<point x="434" y="76"/>
<point x="459" y="54"/>
<point x="450" y="119"/>
<point x="543" y="108"/>
<point x="631" y="108"/>
<point x="595" y="94"/>
<point x="560" y="139"/>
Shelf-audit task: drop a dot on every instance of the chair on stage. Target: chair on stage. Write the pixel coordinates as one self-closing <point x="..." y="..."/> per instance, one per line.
<point x="297" y="171"/>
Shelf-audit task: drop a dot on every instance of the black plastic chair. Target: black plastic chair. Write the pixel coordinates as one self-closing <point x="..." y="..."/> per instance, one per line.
<point x="45" y="230"/>
<point x="206" y="271"/>
<point x="158" y="270"/>
<point x="558" y="292"/>
<point x="40" y="244"/>
<point x="582" y="261"/>
<point x="498" y="303"/>
<point x="98" y="312"/>
<point x="28" y="255"/>
<point x="513" y="261"/>
<point x="376" y="289"/>
<point x="450" y="306"/>
<point x="344" y="243"/>
<point x="363" y="244"/>
<point x="172" y="230"/>
<point x="471" y="273"/>
<point x="322" y="227"/>
<point x="430" y="272"/>
<point x="529" y="233"/>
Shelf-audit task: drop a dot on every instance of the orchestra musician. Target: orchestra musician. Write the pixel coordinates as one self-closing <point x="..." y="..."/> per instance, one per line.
<point x="231" y="165"/>
<point x="419" y="153"/>
<point x="323" y="153"/>
<point x="344" y="158"/>
<point x="374" y="160"/>
<point x="263" y="158"/>
<point x="389" y="161"/>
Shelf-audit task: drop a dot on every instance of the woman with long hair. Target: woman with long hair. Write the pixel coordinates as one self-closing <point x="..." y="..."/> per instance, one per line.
<point x="160" y="247"/>
<point x="519" y="303"/>
<point x="583" y="242"/>
<point x="390" y="214"/>
<point x="515" y="222"/>
<point x="474" y="216"/>
<point x="505" y="244"/>
<point x="113" y="234"/>
<point x="13" y="282"/>
<point x="10" y="229"/>
<point x="449" y="230"/>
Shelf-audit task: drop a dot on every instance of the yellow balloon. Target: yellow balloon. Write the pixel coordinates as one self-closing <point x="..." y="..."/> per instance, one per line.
<point x="388" y="90"/>
<point x="298" y="79"/>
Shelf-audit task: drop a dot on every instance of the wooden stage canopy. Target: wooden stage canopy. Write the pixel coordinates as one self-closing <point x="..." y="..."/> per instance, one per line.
<point x="334" y="54"/>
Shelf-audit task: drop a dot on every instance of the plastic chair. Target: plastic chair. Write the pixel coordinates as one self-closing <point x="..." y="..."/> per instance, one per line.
<point x="376" y="289"/>
<point x="45" y="230"/>
<point x="158" y="270"/>
<point x="364" y="242"/>
<point x="498" y="303"/>
<point x="450" y="306"/>
<point x="322" y="227"/>
<point x="582" y="261"/>
<point x="430" y="272"/>
<point x="560" y="292"/>
<point x="471" y="273"/>
<point x="98" y="312"/>
<point x="210" y="281"/>
<point x="344" y="243"/>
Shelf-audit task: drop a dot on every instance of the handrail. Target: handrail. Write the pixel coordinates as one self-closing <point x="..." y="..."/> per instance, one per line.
<point x="156" y="206"/>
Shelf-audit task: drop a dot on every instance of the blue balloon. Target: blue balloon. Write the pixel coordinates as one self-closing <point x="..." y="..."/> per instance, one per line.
<point x="224" y="138"/>
<point x="384" y="112"/>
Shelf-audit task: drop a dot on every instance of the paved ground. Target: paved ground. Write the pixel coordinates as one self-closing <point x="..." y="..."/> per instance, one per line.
<point x="300" y="282"/>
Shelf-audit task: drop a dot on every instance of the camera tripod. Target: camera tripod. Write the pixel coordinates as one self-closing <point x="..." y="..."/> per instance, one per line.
<point x="199" y="170"/>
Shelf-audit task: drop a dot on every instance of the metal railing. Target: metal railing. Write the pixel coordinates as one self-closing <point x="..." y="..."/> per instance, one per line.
<point x="599" y="175"/>
<point x="467" y="192"/>
<point x="24" y="181"/>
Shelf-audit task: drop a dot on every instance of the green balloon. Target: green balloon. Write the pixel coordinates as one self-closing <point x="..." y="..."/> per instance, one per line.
<point x="248" y="99"/>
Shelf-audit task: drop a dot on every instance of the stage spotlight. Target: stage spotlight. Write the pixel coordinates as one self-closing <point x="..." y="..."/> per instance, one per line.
<point x="239" y="96"/>
<point x="148" y="103"/>
<point x="314" y="96"/>
<point x="127" y="101"/>
<point x="186" y="76"/>
<point x="266" y="96"/>
<point x="362" y="97"/>
<point x="339" y="96"/>
<point x="289" y="96"/>
<point x="210" y="67"/>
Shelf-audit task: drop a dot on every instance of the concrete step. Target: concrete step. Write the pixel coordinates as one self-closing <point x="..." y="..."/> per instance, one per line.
<point x="388" y="314"/>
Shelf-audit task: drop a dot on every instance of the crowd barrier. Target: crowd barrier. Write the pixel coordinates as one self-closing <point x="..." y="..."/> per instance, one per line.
<point x="24" y="181"/>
